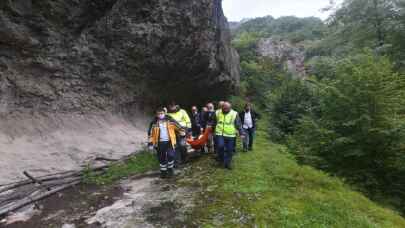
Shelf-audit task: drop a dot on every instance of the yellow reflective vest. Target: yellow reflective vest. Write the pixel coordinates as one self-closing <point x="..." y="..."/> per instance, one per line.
<point x="182" y="118"/>
<point x="172" y="129"/>
<point x="226" y="124"/>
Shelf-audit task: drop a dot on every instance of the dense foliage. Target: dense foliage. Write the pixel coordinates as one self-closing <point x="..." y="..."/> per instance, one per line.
<point x="287" y="104"/>
<point x="358" y="24"/>
<point x="360" y="132"/>
<point x="348" y="115"/>
<point x="268" y="188"/>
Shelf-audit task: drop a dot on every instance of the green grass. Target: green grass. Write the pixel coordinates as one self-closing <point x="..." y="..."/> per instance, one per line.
<point x="267" y="188"/>
<point x="139" y="163"/>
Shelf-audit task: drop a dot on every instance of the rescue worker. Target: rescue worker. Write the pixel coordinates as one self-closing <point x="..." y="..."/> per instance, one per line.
<point x="220" y="104"/>
<point x="209" y="116"/>
<point x="203" y="121"/>
<point x="196" y="127"/>
<point x="181" y="116"/>
<point x="249" y="123"/>
<point x="227" y="125"/>
<point x="162" y="137"/>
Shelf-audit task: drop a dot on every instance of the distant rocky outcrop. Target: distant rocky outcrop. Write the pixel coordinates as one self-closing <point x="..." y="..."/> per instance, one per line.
<point x="234" y="25"/>
<point x="292" y="56"/>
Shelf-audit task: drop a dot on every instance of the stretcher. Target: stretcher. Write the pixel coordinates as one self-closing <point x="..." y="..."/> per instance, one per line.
<point x="199" y="142"/>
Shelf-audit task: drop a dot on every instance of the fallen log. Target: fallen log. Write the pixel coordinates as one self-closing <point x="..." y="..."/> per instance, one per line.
<point x="37" y="181"/>
<point x="17" y="195"/>
<point x="32" y="199"/>
<point x="53" y="183"/>
<point x="50" y="178"/>
<point x="15" y="185"/>
<point x="105" y="159"/>
<point x="39" y="177"/>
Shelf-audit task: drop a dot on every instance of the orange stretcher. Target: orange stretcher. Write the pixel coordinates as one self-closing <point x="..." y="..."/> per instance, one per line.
<point x="200" y="142"/>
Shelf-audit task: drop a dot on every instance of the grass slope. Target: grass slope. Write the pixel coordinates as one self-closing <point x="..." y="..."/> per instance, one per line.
<point x="139" y="163"/>
<point x="267" y="188"/>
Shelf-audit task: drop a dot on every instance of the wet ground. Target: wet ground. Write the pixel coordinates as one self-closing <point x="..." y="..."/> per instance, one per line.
<point x="72" y="206"/>
<point x="141" y="201"/>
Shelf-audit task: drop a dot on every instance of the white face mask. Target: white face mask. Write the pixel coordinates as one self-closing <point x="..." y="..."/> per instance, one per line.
<point x="161" y="116"/>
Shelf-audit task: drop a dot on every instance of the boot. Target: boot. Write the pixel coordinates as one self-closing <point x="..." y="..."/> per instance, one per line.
<point x="170" y="172"/>
<point x="163" y="174"/>
<point x="228" y="166"/>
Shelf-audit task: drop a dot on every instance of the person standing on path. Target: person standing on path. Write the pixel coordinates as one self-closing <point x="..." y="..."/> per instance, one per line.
<point x="196" y="127"/>
<point x="208" y="120"/>
<point x="181" y="116"/>
<point x="249" y="121"/>
<point x="162" y="137"/>
<point x="220" y="105"/>
<point x="227" y="126"/>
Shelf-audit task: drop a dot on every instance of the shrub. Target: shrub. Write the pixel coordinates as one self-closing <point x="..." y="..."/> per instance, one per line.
<point x="287" y="104"/>
<point x="360" y="132"/>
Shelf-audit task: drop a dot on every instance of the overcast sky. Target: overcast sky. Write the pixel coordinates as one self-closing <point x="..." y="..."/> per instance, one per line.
<point x="236" y="10"/>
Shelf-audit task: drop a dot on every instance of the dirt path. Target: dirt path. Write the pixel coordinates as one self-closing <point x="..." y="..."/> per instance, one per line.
<point x="143" y="202"/>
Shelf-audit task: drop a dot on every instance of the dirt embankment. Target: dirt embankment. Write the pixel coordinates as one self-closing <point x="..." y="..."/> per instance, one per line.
<point x="61" y="142"/>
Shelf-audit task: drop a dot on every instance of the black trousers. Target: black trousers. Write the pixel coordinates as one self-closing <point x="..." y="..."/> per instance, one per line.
<point x="249" y="138"/>
<point x="166" y="155"/>
<point x="181" y="150"/>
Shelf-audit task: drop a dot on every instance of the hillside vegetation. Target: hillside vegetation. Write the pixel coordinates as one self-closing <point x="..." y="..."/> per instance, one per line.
<point x="347" y="117"/>
<point x="268" y="188"/>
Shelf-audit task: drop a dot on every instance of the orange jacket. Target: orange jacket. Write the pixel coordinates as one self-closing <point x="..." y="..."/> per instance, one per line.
<point x="173" y="129"/>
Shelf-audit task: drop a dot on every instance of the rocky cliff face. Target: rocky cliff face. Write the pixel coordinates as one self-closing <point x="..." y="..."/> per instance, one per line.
<point x="292" y="56"/>
<point x="82" y="55"/>
<point x="76" y="66"/>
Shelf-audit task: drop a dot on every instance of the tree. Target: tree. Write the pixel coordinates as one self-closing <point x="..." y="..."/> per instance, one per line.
<point x="246" y="43"/>
<point x="374" y="24"/>
<point x="361" y="127"/>
<point x="287" y="104"/>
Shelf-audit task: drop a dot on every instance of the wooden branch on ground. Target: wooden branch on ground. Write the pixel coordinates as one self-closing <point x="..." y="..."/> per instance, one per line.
<point x="43" y="179"/>
<point x="105" y="159"/>
<point x="49" y="178"/>
<point x="39" y="177"/>
<point x="37" y="181"/>
<point x="17" y="195"/>
<point x="26" y="192"/>
<point x="32" y="199"/>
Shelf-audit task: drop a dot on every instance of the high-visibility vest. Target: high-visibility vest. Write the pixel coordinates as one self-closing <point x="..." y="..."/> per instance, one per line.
<point x="182" y="118"/>
<point x="226" y="124"/>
